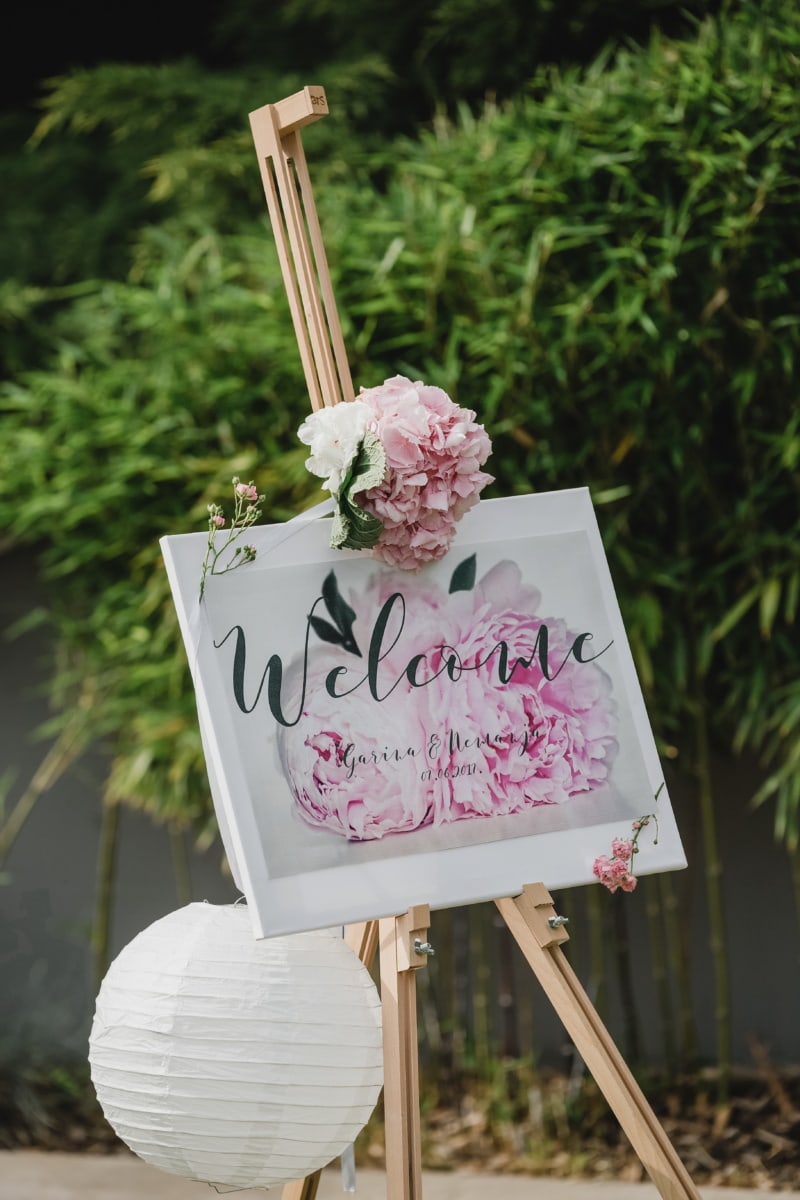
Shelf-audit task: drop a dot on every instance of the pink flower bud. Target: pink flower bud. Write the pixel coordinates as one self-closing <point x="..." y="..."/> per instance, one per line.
<point x="218" y="520"/>
<point x="247" y="491"/>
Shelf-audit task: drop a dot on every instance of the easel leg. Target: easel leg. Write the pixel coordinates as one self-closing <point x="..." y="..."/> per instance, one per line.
<point x="302" y="1189"/>
<point x="363" y="941"/>
<point x="400" y="1055"/>
<point x="527" y="917"/>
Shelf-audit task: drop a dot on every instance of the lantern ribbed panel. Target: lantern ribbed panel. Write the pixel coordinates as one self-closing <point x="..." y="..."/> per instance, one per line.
<point x="233" y="1060"/>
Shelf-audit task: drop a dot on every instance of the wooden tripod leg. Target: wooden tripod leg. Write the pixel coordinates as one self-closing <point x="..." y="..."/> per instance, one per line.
<point x="302" y="1189"/>
<point x="363" y="941"/>
<point x="527" y="917"/>
<point x="399" y="963"/>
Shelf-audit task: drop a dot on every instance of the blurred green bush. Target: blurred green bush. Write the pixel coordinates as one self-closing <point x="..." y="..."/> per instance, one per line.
<point x="605" y="268"/>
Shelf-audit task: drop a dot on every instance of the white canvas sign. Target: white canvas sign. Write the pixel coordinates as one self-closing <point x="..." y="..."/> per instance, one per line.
<point x="378" y="738"/>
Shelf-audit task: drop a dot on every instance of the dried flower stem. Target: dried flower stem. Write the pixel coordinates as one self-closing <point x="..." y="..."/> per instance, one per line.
<point x="246" y="511"/>
<point x="617" y="871"/>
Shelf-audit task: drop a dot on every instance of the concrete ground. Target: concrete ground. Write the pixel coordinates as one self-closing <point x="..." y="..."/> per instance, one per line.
<point x="38" y="1175"/>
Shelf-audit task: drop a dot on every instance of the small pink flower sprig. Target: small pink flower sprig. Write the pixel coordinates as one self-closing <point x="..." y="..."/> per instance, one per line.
<point x="246" y="511"/>
<point x="616" y="872"/>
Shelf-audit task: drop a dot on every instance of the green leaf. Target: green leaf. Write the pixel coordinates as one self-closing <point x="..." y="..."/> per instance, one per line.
<point x="735" y="614"/>
<point x="353" y="527"/>
<point x="341" y="612"/>
<point x="463" y="577"/>
<point x="792" y="592"/>
<point x="325" y="631"/>
<point x="768" y="605"/>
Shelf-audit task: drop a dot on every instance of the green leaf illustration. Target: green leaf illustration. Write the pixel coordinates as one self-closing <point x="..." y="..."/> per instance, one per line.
<point x="340" y="611"/>
<point x="463" y="578"/>
<point x="325" y="631"/>
<point x="342" y="614"/>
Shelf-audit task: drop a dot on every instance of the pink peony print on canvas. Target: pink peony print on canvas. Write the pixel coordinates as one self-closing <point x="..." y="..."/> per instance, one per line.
<point x="480" y="706"/>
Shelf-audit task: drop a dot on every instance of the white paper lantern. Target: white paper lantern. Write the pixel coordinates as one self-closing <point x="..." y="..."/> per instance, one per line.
<point x="235" y="1061"/>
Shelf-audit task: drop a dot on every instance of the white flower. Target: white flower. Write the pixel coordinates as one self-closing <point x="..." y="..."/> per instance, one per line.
<point x="334" y="434"/>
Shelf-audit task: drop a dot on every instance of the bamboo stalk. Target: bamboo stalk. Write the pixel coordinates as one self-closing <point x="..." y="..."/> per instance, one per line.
<point x="794" y="868"/>
<point x="104" y="893"/>
<point x="479" y="916"/>
<point x="180" y="866"/>
<point x="664" y="1006"/>
<point x="459" y="1011"/>
<point x="509" y="1045"/>
<point x="597" y="948"/>
<point x="68" y="746"/>
<point x="679" y="964"/>
<point x="716" y="920"/>
<point x="622" y="959"/>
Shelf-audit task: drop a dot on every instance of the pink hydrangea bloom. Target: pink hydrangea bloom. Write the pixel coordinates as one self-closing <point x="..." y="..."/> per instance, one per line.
<point x="434" y="454"/>
<point x="458" y="748"/>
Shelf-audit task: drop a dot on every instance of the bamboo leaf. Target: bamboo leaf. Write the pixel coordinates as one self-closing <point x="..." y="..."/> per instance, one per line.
<point x="735" y="614"/>
<point x="768" y="605"/>
<point x="792" y="593"/>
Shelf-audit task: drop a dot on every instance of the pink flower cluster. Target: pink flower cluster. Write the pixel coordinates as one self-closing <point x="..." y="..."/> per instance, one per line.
<point x="617" y="871"/>
<point x="463" y="745"/>
<point x="614" y="873"/>
<point x="434" y="454"/>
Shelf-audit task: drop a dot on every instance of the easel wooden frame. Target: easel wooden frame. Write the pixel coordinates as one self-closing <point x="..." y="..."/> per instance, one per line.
<point x="530" y="916"/>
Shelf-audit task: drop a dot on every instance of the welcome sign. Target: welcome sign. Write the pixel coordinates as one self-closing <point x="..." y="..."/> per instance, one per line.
<point x="378" y="738"/>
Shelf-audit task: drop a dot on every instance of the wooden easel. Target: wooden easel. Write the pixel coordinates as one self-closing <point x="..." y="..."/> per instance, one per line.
<point x="530" y="916"/>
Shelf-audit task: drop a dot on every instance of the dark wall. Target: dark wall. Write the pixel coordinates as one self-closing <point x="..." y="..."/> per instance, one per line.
<point x="47" y="898"/>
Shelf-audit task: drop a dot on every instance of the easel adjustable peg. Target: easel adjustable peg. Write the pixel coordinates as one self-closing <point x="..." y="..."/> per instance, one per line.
<point x="413" y="946"/>
<point x="535" y="905"/>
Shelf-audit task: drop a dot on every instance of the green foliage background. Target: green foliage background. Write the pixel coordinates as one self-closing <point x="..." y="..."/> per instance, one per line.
<point x="603" y="263"/>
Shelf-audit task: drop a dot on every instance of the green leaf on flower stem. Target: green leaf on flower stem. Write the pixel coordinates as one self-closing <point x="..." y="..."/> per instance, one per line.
<point x="353" y="527"/>
<point x="463" y="578"/>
